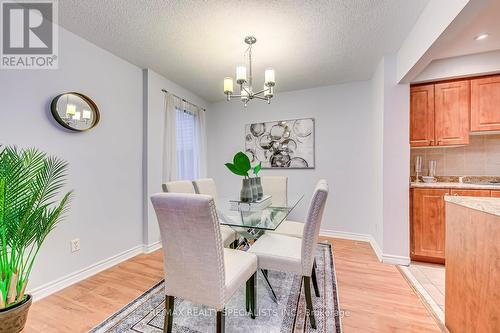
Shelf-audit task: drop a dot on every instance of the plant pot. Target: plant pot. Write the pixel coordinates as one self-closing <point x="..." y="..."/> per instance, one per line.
<point x="255" y="192"/>
<point x="13" y="319"/>
<point x="246" y="194"/>
<point x="260" y="190"/>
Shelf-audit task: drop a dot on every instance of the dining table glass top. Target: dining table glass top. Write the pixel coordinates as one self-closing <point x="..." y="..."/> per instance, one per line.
<point x="268" y="218"/>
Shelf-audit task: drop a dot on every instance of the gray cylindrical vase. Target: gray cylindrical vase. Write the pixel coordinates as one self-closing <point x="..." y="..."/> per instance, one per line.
<point x="260" y="190"/>
<point x="255" y="192"/>
<point x="246" y="194"/>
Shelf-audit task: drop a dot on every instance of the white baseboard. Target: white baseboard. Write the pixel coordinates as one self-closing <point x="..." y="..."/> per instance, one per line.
<point x="382" y="257"/>
<point x="396" y="260"/>
<point x="148" y="248"/>
<point x="65" y="281"/>
<point x="345" y="235"/>
<point x="376" y="248"/>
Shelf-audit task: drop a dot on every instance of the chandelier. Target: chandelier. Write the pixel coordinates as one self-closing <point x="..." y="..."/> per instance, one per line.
<point x="247" y="92"/>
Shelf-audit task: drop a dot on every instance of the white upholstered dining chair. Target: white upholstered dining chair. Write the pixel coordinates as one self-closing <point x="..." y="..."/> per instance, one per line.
<point x="197" y="268"/>
<point x="290" y="254"/>
<point x="179" y="186"/>
<point x="186" y="186"/>
<point x="277" y="187"/>
<point x="207" y="186"/>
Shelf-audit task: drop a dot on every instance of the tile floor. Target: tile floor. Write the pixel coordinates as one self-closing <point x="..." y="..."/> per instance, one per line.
<point x="431" y="277"/>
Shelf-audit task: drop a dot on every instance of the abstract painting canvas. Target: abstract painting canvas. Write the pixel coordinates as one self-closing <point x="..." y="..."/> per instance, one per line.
<point x="281" y="144"/>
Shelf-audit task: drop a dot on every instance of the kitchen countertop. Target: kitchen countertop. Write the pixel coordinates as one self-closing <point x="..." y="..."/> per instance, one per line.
<point x="487" y="205"/>
<point x="455" y="185"/>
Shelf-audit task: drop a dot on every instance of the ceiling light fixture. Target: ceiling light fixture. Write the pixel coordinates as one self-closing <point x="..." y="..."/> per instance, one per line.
<point x="246" y="90"/>
<point x="481" y="36"/>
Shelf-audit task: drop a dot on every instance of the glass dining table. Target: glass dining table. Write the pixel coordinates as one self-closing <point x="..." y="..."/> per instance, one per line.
<point x="250" y="225"/>
<point x="257" y="220"/>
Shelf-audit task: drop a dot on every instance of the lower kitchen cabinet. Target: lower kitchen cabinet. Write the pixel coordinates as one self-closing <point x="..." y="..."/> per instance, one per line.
<point x="427" y="221"/>
<point x="495" y="194"/>
<point x="428" y="225"/>
<point x="471" y="193"/>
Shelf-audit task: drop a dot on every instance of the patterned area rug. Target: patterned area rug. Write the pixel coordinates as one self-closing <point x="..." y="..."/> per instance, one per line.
<point x="146" y="313"/>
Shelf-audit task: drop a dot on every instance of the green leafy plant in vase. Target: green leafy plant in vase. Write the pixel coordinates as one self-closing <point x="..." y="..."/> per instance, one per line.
<point x="30" y="181"/>
<point x="241" y="166"/>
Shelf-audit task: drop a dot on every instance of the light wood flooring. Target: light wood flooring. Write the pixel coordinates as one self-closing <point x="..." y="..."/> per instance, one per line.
<point x="374" y="296"/>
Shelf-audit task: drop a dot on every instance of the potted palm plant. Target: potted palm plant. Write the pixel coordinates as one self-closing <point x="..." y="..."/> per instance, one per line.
<point x="29" y="183"/>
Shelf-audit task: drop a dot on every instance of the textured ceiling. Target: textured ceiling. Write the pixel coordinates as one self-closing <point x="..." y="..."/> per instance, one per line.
<point x="197" y="43"/>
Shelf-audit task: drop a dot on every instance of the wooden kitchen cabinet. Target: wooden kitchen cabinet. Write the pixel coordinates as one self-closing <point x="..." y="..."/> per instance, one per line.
<point x="427" y="220"/>
<point x="440" y="114"/>
<point x="485" y="104"/>
<point x="428" y="225"/>
<point x="495" y="194"/>
<point x="471" y="193"/>
<point x="451" y="108"/>
<point x="422" y="116"/>
<point x="472" y="270"/>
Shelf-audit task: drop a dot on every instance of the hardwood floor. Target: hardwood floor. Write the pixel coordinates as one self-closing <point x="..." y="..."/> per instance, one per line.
<point x="374" y="296"/>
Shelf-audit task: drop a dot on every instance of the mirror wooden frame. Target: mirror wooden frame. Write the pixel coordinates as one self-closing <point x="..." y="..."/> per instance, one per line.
<point x="88" y="100"/>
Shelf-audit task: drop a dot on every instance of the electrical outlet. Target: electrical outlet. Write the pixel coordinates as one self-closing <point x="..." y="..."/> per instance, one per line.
<point x="75" y="245"/>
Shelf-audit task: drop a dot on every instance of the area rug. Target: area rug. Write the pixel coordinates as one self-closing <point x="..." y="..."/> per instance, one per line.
<point x="145" y="314"/>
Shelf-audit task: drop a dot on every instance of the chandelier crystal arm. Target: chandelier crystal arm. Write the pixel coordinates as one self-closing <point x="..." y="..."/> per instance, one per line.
<point x="245" y="89"/>
<point x="261" y="91"/>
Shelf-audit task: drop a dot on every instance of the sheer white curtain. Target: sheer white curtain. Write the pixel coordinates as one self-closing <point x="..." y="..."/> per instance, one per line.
<point x="200" y="139"/>
<point x="172" y="103"/>
<point x="184" y="155"/>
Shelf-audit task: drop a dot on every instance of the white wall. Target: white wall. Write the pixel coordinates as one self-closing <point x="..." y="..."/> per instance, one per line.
<point x="343" y="149"/>
<point x="105" y="164"/>
<point x="392" y="150"/>
<point x="154" y="115"/>
<point x="457" y="67"/>
<point x="396" y="163"/>
<point x="377" y="151"/>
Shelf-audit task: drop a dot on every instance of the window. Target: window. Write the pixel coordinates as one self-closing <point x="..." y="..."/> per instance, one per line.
<point x="187" y="145"/>
<point x="184" y="140"/>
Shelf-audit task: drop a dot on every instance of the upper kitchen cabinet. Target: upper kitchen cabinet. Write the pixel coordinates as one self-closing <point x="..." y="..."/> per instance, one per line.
<point x="422" y="116"/>
<point x="485" y="104"/>
<point x="439" y="114"/>
<point x="451" y="107"/>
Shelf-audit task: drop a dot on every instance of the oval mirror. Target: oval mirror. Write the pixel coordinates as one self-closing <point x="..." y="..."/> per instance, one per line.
<point x="75" y="111"/>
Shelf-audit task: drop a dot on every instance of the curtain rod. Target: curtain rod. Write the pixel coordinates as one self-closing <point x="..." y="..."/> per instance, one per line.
<point x="167" y="92"/>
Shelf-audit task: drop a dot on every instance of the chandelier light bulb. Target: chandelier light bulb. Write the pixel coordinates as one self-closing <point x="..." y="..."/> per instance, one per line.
<point x="77" y="115"/>
<point x="228" y="85"/>
<point x="241" y="74"/>
<point x="269" y="77"/>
